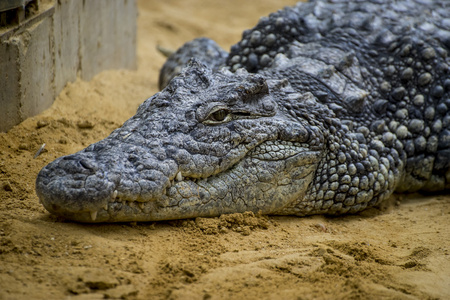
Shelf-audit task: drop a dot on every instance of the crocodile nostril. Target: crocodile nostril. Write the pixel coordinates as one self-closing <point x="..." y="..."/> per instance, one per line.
<point x="87" y="164"/>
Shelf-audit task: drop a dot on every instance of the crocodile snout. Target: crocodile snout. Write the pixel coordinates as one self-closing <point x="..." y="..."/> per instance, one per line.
<point x="74" y="184"/>
<point x="93" y="186"/>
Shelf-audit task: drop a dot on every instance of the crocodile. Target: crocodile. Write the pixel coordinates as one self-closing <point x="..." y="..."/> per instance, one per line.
<point x="326" y="107"/>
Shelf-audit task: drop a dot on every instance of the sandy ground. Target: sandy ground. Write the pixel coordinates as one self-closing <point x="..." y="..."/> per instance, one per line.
<point x="398" y="251"/>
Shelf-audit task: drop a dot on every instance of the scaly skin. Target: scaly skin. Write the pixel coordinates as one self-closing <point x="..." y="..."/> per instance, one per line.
<point x="345" y="104"/>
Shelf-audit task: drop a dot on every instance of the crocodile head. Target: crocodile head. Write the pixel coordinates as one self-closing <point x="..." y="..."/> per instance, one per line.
<point x="206" y="145"/>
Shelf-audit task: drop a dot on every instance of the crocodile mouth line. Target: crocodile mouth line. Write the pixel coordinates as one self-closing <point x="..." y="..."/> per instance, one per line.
<point x="117" y="202"/>
<point x="289" y="149"/>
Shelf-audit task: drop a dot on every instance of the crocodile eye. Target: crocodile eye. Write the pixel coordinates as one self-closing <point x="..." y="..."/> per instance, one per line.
<point x="220" y="115"/>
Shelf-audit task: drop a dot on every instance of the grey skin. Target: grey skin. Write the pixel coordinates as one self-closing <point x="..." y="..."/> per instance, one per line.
<point x="322" y="108"/>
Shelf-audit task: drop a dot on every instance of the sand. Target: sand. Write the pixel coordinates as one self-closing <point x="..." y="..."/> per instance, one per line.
<point x="398" y="251"/>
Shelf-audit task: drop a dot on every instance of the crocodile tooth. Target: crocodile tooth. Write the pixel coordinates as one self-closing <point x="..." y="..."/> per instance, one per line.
<point x="106" y="206"/>
<point x="93" y="215"/>
<point x="114" y="195"/>
<point x="141" y="205"/>
<point x="179" y="177"/>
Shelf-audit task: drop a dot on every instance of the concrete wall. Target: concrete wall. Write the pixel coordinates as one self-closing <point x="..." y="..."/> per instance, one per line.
<point x="66" y="39"/>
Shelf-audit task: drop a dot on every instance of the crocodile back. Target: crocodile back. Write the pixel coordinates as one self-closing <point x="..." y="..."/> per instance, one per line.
<point x="384" y="70"/>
